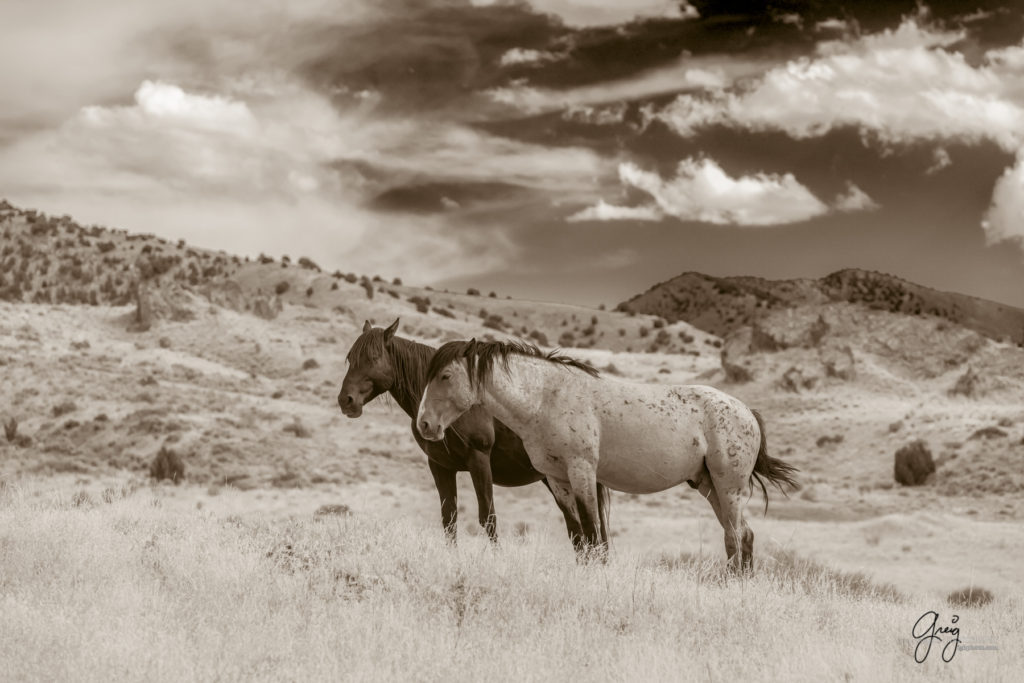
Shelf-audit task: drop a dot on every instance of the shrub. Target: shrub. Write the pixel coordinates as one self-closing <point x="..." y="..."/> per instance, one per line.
<point x="971" y="596"/>
<point x="495" y="322"/>
<point x="445" y="312"/>
<point x="422" y="303"/>
<point x="11" y="429"/>
<point x="282" y="287"/>
<point x="566" y="339"/>
<point x="334" y="286"/>
<point x="308" y="264"/>
<point x="827" y="440"/>
<point x="539" y="337"/>
<point x="309" y="292"/>
<point x="397" y="282"/>
<point x="659" y="323"/>
<point x="298" y="429"/>
<point x="167" y="465"/>
<point x="310" y="364"/>
<point x="913" y="464"/>
<point x="104" y="247"/>
<point x="64" y="408"/>
<point x="644" y="331"/>
<point x="493" y="295"/>
<point x="473" y="291"/>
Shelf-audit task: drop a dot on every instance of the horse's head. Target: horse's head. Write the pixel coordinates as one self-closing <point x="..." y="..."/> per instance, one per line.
<point x="370" y="372"/>
<point x="450" y="391"/>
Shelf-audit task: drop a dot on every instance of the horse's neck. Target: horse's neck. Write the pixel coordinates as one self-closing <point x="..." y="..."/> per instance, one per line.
<point x="515" y="397"/>
<point x="409" y="360"/>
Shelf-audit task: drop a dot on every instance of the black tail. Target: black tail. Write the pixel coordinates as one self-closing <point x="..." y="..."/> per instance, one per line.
<point x="604" y="503"/>
<point x="781" y="474"/>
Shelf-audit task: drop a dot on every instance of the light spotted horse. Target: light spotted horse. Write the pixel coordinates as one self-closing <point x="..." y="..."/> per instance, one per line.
<point x="580" y="429"/>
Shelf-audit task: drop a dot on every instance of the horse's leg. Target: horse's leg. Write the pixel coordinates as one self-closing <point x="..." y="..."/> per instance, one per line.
<point x="706" y="487"/>
<point x="732" y="492"/>
<point x="563" y="493"/>
<point x="444" y="480"/>
<point x="572" y="523"/>
<point x="583" y="480"/>
<point x="480" y="471"/>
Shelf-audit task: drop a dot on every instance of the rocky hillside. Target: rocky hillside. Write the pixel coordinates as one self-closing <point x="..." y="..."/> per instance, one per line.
<point x="54" y="260"/>
<point x="723" y="305"/>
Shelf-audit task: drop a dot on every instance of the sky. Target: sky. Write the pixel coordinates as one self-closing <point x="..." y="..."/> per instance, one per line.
<point x="562" y="150"/>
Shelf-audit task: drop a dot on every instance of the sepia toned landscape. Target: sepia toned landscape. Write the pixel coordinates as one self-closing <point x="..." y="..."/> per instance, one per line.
<point x="287" y="541"/>
<point x="274" y="272"/>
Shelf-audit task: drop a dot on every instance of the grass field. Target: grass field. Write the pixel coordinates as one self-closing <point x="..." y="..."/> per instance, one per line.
<point x="119" y="587"/>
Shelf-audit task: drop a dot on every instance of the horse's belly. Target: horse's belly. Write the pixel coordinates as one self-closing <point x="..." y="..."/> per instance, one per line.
<point x="644" y="456"/>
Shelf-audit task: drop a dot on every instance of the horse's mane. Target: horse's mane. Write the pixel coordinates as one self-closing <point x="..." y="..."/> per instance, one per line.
<point x="481" y="357"/>
<point x="408" y="358"/>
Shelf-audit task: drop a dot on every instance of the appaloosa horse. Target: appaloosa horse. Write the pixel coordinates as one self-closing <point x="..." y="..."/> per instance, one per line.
<point x="582" y="430"/>
<point x="381" y="362"/>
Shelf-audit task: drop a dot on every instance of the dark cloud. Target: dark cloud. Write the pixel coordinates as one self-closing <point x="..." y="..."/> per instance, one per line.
<point x="440" y="196"/>
<point x="431" y="57"/>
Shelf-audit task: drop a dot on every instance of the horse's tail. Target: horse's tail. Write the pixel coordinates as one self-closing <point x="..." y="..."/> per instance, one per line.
<point x="782" y="474"/>
<point x="604" y="503"/>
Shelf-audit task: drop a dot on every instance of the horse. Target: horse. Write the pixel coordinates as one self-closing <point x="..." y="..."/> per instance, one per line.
<point x="381" y="362"/>
<point x="581" y="429"/>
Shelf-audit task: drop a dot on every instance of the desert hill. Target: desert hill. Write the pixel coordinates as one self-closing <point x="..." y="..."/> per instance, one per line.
<point x="721" y="305"/>
<point x="50" y="260"/>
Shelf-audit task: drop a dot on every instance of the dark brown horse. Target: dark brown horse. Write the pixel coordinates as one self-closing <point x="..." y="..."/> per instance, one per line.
<point x="381" y="362"/>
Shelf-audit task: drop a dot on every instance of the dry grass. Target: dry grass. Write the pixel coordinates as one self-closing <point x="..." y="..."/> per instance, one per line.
<point x="93" y="590"/>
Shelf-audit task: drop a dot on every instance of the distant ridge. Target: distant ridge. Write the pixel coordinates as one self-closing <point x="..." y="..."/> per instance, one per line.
<point x="721" y="305"/>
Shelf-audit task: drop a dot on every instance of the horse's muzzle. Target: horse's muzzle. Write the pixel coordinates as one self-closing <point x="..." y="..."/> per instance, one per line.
<point x="430" y="431"/>
<point x="349" y="406"/>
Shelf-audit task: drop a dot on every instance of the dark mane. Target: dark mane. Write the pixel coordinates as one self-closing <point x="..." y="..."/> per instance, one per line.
<point x="481" y="357"/>
<point x="408" y="358"/>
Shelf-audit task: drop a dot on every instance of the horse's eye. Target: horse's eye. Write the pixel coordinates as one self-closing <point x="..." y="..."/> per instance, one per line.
<point x="446" y="376"/>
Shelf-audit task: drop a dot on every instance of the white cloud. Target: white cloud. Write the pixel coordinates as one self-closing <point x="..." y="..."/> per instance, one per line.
<point x="260" y="173"/>
<point x="596" y="116"/>
<point x="602" y="211"/>
<point x="586" y="13"/>
<point x="704" y="73"/>
<point x="518" y="56"/>
<point x="1004" y="219"/>
<point x="901" y="85"/>
<point x="832" y="24"/>
<point x="940" y="160"/>
<point x="854" y="199"/>
<point x="702" y="191"/>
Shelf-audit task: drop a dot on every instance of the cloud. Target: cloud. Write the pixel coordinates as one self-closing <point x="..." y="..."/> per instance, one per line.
<point x="260" y="174"/>
<point x="940" y="160"/>
<point x="1004" y="220"/>
<point x="832" y="24"/>
<point x="854" y="199"/>
<point x="590" y="13"/>
<point x="687" y="73"/>
<point x="518" y="56"/>
<point x="702" y="191"/>
<point x="602" y="211"/>
<point x="901" y="85"/>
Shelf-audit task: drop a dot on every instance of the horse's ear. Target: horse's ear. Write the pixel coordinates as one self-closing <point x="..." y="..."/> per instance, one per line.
<point x="470" y="347"/>
<point x="390" y="331"/>
<point x="367" y="327"/>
